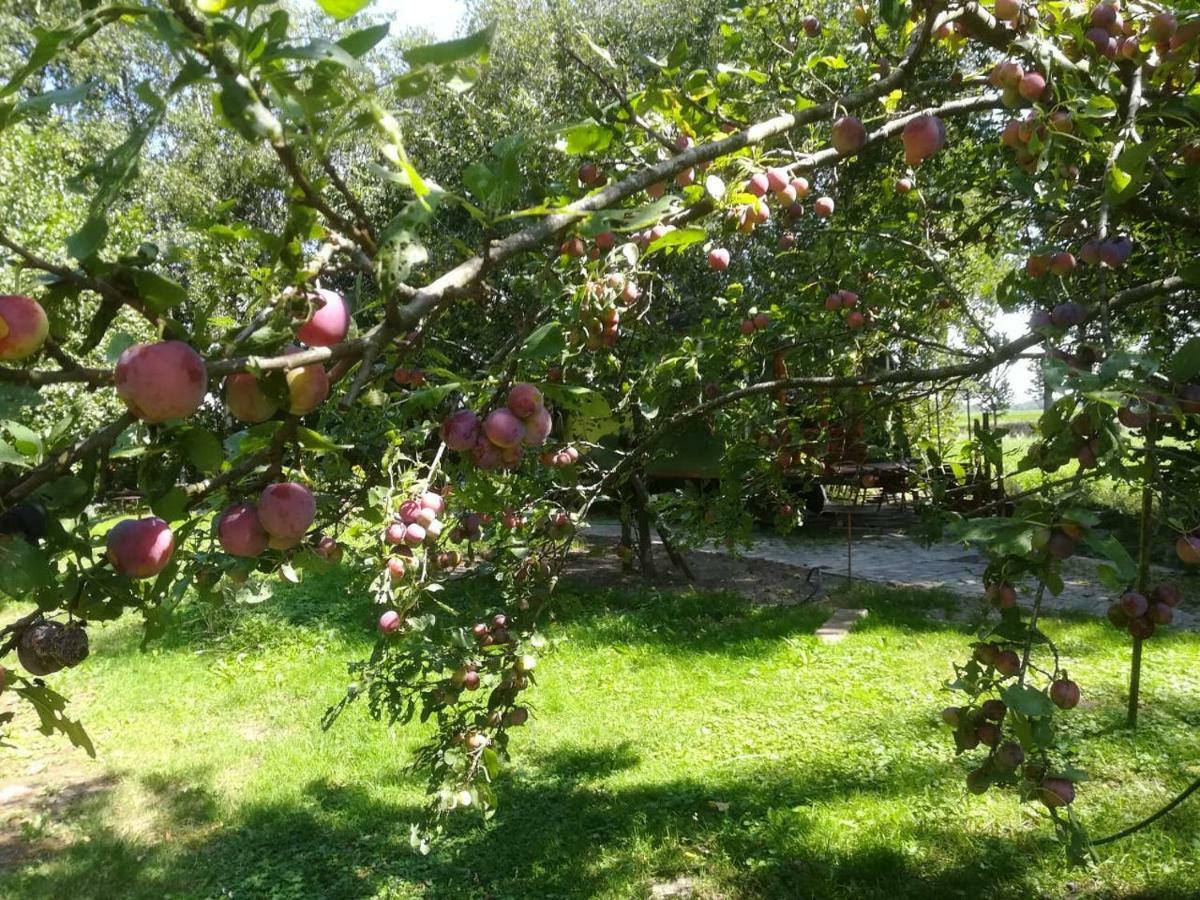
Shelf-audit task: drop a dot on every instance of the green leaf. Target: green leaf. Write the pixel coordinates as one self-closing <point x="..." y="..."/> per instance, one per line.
<point x="202" y="449"/>
<point x="314" y="440"/>
<point x="1185" y="362"/>
<point x="84" y="243"/>
<point x="64" y="97"/>
<point x="318" y="50"/>
<point x="1027" y="701"/>
<point x="43" y="51"/>
<point x="26" y="568"/>
<point x="244" y="113"/>
<point x="473" y="46"/>
<point x="161" y="294"/>
<point x="343" y="9"/>
<point x="28" y="442"/>
<point x="118" y="343"/>
<point x="171" y="506"/>
<point x="674" y="241"/>
<point x="10" y="457"/>
<point x="51" y="708"/>
<point x="360" y="43"/>
<point x="893" y="12"/>
<point x="584" y="137"/>
<point x="581" y="400"/>
<point x="545" y="341"/>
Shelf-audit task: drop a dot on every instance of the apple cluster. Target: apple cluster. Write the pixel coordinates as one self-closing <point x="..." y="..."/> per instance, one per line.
<point x="279" y="521"/>
<point x="500" y="439"/>
<point x="846" y="303"/>
<point x="1141" y="615"/>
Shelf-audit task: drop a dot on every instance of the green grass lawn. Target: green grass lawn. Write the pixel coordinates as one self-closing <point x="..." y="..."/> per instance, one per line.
<point x="675" y="735"/>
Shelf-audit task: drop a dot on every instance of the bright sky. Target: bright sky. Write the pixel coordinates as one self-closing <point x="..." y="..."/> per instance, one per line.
<point x="439" y="16"/>
<point x="442" y="17"/>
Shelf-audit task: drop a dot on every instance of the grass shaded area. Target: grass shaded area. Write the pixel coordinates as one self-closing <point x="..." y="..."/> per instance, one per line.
<point x="685" y="735"/>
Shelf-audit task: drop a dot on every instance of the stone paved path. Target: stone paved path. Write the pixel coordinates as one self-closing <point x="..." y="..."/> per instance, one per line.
<point x="896" y="560"/>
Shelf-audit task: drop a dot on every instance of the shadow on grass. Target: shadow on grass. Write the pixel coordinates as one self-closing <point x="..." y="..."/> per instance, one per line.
<point x="554" y="837"/>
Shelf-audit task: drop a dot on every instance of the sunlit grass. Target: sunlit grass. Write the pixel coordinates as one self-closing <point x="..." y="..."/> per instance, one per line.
<point x="691" y="736"/>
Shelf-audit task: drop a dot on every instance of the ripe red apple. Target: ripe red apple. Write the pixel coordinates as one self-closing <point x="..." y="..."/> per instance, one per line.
<point x="329" y="322"/>
<point x="1008" y="10"/>
<point x="460" y="430"/>
<point x="1060" y="545"/>
<point x="390" y="622"/>
<point x="811" y="25"/>
<point x="1064" y="693"/>
<point x="328" y="549"/>
<point x="777" y="180"/>
<point x="855" y="320"/>
<point x="849" y="135"/>
<point x="503" y="428"/>
<point x="1114" y="252"/>
<point x="1104" y="16"/>
<point x="1056" y="792"/>
<point x="994" y="710"/>
<point x="432" y="500"/>
<point x="1134" y="604"/>
<point x="1062" y="263"/>
<point x="1141" y="628"/>
<point x="537" y="428"/>
<point x="657" y="190"/>
<point x="1162" y="27"/>
<point x="573" y="247"/>
<point x="140" y="548"/>
<point x="988" y="734"/>
<point x="1117" y="615"/>
<point x="395" y="568"/>
<point x="286" y="510"/>
<point x="1009" y="756"/>
<point x="952" y="716"/>
<point x="800" y="185"/>
<point x="517" y="716"/>
<point x="686" y="177"/>
<point x="1008" y="663"/>
<point x="1037" y="265"/>
<point x="903" y="185"/>
<point x="922" y="137"/>
<point x="486" y="455"/>
<point x="718" y="259"/>
<point x="1160" y="614"/>
<point x="978" y="780"/>
<point x="823" y="207"/>
<point x="524" y="400"/>
<point x="1134" y="416"/>
<point x="240" y="532"/>
<point x="1004" y="595"/>
<point x="23" y="327"/>
<point x="246" y="400"/>
<point x="308" y="386"/>
<point x="761" y="321"/>
<point x="589" y="174"/>
<point x="162" y="381"/>
<point x="1167" y="593"/>
<point x="758" y="184"/>
<point x="1032" y="86"/>
<point x="1187" y="547"/>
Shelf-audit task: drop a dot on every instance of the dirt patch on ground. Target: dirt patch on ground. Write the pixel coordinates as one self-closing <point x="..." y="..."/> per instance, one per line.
<point x="758" y="580"/>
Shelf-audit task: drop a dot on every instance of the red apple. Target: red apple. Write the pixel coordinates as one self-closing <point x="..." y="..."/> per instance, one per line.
<point x="23" y="327"/>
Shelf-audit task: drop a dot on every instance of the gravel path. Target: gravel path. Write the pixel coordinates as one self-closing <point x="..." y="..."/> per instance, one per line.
<point x="896" y="560"/>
